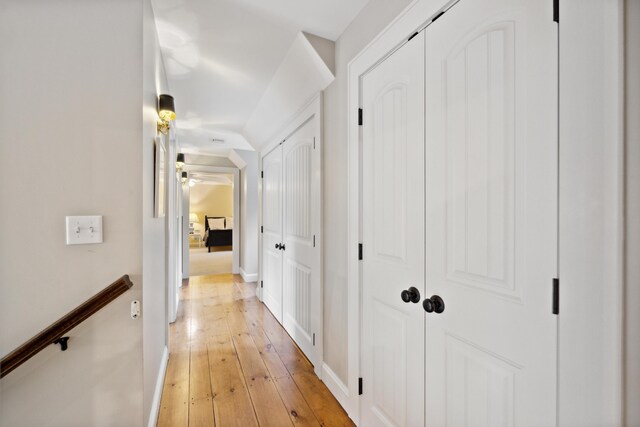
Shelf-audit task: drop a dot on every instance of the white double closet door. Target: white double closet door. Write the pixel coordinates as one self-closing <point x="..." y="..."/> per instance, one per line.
<point x="459" y="202"/>
<point x="290" y="214"/>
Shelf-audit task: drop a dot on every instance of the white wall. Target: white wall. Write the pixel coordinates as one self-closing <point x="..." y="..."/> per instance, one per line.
<point x="211" y="200"/>
<point x="249" y="213"/>
<point x="632" y="294"/>
<point x="70" y="139"/>
<point x="154" y="238"/>
<point x="376" y="15"/>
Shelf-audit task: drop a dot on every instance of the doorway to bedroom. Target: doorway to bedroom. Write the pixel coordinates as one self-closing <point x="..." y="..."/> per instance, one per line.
<point x="211" y="223"/>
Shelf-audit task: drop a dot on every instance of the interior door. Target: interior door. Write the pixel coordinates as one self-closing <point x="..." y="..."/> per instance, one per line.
<point x="301" y="284"/>
<point x="392" y="353"/>
<point x="491" y="124"/>
<point x="272" y="231"/>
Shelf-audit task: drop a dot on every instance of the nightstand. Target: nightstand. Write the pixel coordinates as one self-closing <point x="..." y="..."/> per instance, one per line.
<point x="197" y="237"/>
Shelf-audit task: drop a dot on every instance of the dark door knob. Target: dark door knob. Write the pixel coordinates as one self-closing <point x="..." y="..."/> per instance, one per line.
<point x="410" y="295"/>
<point x="435" y="303"/>
<point x="282" y="246"/>
<point x="277" y="245"/>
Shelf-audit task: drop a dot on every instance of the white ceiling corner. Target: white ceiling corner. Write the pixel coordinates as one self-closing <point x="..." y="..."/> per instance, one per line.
<point x="236" y="159"/>
<point x="326" y="50"/>
<point x="301" y="76"/>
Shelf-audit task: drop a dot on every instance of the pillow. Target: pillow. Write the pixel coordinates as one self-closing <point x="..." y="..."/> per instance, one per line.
<point x="216" y="223"/>
<point x="229" y="222"/>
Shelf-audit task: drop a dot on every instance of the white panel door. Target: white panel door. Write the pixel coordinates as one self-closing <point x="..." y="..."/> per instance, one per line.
<point x="272" y="231"/>
<point x="491" y="181"/>
<point x="301" y="284"/>
<point x="392" y="353"/>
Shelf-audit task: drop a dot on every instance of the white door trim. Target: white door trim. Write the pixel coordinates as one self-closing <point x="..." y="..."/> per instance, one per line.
<point x="591" y="232"/>
<point x="312" y="111"/>
<point x="605" y="136"/>
<point x="171" y="245"/>
<point x="237" y="230"/>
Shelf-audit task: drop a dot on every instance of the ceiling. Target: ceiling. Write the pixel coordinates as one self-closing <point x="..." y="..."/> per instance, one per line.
<point x="220" y="56"/>
<point x="204" y="178"/>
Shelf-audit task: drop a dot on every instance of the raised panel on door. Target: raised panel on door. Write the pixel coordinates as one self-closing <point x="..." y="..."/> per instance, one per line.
<point x="301" y="285"/>
<point x="272" y="231"/>
<point x="392" y="353"/>
<point x="491" y="185"/>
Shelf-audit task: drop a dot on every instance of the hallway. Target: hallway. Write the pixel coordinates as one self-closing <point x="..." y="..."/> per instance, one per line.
<point x="231" y="361"/>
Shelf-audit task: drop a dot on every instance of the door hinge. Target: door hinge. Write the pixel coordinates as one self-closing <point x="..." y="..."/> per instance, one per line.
<point x="437" y="16"/>
<point x="556" y="11"/>
<point x="261" y="284"/>
<point x="314" y="339"/>
<point x="262" y="228"/>
<point x="359" y="386"/>
<point x="359" y="251"/>
<point x="359" y="116"/>
<point x="314" y="240"/>
<point x="412" y="36"/>
<point x="556" y="296"/>
<point x="314" y="142"/>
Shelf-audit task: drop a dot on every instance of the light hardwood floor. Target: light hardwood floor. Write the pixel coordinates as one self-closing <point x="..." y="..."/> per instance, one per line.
<point x="232" y="364"/>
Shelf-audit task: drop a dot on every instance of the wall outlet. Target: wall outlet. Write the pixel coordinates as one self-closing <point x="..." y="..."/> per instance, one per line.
<point x="82" y="230"/>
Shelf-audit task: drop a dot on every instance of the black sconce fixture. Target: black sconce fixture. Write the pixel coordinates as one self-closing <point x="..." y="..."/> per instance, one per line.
<point x="180" y="161"/>
<point x="166" y="112"/>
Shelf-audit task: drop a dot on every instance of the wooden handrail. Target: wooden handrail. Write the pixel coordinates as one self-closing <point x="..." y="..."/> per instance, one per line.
<point x="55" y="331"/>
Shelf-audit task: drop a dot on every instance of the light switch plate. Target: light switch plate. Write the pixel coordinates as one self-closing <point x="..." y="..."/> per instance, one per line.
<point x="82" y="230"/>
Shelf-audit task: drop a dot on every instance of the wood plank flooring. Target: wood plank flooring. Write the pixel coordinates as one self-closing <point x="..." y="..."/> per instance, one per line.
<point x="232" y="364"/>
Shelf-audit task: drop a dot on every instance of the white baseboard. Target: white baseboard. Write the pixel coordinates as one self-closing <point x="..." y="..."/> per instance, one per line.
<point x="248" y="277"/>
<point x="157" y="394"/>
<point x="336" y="387"/>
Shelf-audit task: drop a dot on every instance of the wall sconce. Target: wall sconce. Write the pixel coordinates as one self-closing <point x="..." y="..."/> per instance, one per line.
<point x="166" y="113"/>
<point x="180" y="161"/>
<point x="184" y="177"/>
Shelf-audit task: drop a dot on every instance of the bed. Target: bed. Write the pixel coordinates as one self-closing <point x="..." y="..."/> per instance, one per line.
<point x="218" y="232"/>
